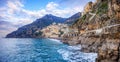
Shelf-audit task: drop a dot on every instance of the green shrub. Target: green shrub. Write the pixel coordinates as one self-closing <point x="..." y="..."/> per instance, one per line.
<point x="84" y="17"/>
<point x="103" y="8"/>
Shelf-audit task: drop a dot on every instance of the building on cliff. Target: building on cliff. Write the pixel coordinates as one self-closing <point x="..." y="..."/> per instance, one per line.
<point x="55" y="30"/>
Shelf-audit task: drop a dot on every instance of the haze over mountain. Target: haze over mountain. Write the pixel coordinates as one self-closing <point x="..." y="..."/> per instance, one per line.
<point x="6" y="27"/>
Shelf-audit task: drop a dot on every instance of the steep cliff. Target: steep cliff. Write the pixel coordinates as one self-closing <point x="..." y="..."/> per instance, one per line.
<point x="99" y="30"/>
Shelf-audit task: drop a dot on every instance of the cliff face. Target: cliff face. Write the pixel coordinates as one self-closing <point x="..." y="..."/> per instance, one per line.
<point x="99" y="30"/>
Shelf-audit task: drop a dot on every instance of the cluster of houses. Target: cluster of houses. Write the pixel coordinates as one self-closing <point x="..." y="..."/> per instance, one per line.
<point x="55" y="30"/>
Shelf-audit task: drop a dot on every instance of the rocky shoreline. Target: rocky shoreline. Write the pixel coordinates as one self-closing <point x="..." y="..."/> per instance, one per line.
<point x="107" y="49"/>
<point x="106" y="45"/>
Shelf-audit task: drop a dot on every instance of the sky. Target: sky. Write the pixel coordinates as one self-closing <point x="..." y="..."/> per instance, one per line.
<point x="17" y="13"/>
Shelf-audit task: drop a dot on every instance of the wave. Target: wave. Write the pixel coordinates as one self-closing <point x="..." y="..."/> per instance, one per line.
<point x="56" y="40"/>
<point x="73" y="54"/>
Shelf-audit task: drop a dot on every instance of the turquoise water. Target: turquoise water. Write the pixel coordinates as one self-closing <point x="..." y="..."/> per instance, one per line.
<point x="41" y="50"/>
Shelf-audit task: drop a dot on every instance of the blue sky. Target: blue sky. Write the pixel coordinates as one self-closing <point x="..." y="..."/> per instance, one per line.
<point x="36" y="5"/>
<point x="22" y="12"/>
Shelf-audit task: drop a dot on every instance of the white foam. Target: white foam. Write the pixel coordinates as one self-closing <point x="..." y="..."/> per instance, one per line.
<point x="77" y="47"/>
<point x="65" y="54"/>
<point x="73" y="54"/>
<point x="58" y="41"/>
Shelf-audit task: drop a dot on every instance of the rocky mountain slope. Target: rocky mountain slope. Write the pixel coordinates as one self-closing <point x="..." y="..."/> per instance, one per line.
<point x="73" y="18"/>
<point x="29" y="30"/>
<point x="98" y="30"/>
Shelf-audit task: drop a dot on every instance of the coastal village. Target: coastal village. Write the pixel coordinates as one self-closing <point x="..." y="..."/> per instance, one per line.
<point x="55" y="30"/>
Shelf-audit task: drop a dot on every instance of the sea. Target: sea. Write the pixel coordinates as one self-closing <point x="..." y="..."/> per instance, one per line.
<point x="41" y="50"/>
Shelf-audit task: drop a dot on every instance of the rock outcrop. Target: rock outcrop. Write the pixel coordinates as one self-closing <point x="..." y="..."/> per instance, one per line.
<point x="114" y="8"/>
<point x="88" y="7"/>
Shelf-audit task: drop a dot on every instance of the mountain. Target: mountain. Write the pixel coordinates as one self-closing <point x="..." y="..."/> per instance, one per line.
<point x="28" y="31"/>
<point x="73" y="18"/>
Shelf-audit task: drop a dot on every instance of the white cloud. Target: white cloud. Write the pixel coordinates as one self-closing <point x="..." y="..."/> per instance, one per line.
<point x="51" y="6"/>
<point x="54" y="8"/>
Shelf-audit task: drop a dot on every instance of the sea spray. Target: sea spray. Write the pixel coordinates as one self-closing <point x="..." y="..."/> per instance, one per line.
<point x="73" y="54"/>
<point x="55" y="40"/>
